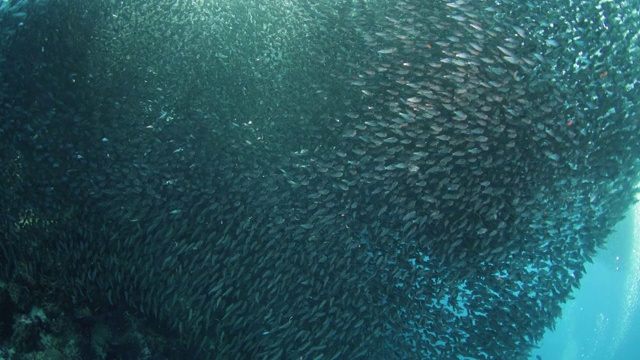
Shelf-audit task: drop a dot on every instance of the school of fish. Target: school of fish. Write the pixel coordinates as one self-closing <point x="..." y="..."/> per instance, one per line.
<point x="339" y="179"/>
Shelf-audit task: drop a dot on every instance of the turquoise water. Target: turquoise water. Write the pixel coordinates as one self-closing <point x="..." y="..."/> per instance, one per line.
<point x="603" y="322"/>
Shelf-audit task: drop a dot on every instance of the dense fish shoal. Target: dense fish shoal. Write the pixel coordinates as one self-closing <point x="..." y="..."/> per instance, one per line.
<point x="319" y="180"/>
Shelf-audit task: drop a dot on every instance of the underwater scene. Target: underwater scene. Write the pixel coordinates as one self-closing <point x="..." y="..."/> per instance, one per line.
<point x="319" y="179"/>
<point x="603" y="322"/>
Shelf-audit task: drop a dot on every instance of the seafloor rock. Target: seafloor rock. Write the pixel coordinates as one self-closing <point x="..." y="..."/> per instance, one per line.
<point x="26" y="334"/>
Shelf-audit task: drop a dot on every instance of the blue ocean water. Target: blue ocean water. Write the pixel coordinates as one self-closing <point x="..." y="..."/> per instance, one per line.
<point x="603" y="321"/>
